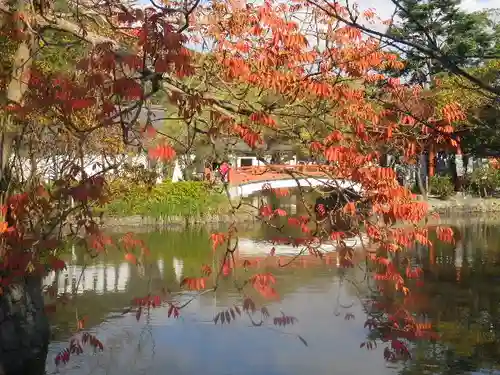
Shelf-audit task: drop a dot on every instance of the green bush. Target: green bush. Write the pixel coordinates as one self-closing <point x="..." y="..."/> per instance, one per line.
<point x="484" y="181"/>
<point x="185" y="198"/>
<point x="441" y="186"/>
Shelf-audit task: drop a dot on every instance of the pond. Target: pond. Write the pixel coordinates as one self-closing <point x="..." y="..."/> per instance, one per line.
<point x="460" y="296"/>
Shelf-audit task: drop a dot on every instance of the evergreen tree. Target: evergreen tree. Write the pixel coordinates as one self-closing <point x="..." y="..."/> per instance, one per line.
<point x="463" y="39"/>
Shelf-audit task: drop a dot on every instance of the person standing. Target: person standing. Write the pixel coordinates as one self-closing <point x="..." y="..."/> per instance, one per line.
<point x="224" y="171"/>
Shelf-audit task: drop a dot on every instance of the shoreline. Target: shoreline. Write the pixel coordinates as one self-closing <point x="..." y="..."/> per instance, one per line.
<point x="176" y="222"/>
<point x="464" y="205"/>
<point x="452" y="206"/>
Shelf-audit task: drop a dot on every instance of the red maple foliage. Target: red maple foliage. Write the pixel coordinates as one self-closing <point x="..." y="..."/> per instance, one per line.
<point x="256" y="47"/>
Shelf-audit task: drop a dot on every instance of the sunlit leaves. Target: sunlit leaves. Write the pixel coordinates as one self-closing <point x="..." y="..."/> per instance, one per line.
<point x="445" y="234"/>
<point x="218" y="239"/>
<point x="262" y="283"/>
<point x="162" y="152"/>
<point x="250" y="137"/>
<point x="452" y="112"/>
<point x="268" y="212"/>
<point x="262" y="49"/>
<point x="3" y="227"/>
<point x="194" y="283"/>
<point x="131" y="258"/>
<point x="264" y="119"/>
<point x="206" y="270"/>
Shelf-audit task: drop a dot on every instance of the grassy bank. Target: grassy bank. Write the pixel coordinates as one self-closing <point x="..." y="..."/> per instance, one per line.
<point x="189" y="199"/>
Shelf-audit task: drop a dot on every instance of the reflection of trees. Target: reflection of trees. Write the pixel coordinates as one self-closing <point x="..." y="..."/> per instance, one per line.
<point x="102" y="293"/>
<point x="291" y="203"/>
<point x="463" y="306"/>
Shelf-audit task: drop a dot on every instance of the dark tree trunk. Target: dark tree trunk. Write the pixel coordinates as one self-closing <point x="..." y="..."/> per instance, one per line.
<point x="421" y="177"/>
<point x="24" y="329"/>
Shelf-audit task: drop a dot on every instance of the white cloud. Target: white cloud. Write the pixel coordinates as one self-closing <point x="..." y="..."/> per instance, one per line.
<point x="385" y="8"/>
<point x="475" y="5"/>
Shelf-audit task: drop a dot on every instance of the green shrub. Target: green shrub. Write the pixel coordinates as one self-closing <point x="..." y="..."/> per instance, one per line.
<point x="484" y="181"/>
<point x="441" y="186"/>
<point x="185" y="198"/>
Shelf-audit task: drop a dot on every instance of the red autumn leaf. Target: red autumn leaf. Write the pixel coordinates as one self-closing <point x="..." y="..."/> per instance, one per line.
<point x="3" y="227"/>
<point x="50" y="308"/>
<point x="266" y="211"/>
<point x="217" y="240"/>
<point x="99" y="242"/>
<point x="162" y="152"/>
<point x="81" y="323"/>
<point x="350" y="208"/>
<point x="280" y="212"/>
<point x="226" y="269"/>
<point x="193" y="283"/>
<point x="78" y="104"/>
<point x="57" y="264"/>
<point x="128" y="88"/>
<point x="150" y="130"/>
<point x="206" y="269"/>
<point x="337" y="235"/>
<point x="129" y="257"/>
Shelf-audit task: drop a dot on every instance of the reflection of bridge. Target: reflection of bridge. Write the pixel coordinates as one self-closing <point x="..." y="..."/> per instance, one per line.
<point x="110" y="278"/>
<point x="247" y="180"/>
<point x="248" y="247"/>
<point x="294" y="256"/>
<point x="99" y="278"/>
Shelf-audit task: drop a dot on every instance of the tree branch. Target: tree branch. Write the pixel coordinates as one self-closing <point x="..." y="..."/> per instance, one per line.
<point x="435" y="54"/>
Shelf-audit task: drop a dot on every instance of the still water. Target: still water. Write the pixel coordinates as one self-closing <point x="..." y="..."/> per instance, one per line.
<point x="460" y="296"/>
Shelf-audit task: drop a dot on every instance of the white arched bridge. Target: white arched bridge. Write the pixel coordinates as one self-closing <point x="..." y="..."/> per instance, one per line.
<point x="245" y="181"/>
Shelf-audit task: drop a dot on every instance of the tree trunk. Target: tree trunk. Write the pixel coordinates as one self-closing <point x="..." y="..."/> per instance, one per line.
<point x="421" y="178"/>
<point x="24" y="329"/>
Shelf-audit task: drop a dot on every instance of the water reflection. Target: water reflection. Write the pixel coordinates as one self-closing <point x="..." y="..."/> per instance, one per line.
<point x="101" y="278"/>
<point x="193" y="344"/>
<point x="460" y="298"/>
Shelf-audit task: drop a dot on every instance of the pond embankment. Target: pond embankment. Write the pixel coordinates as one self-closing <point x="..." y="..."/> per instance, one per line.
<point x="180" y="222"/>
<point x="464" y="205"/>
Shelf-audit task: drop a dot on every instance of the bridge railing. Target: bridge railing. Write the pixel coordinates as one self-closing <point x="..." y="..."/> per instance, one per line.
<point x="282" y="168"/>
<point x="276" y="170"/>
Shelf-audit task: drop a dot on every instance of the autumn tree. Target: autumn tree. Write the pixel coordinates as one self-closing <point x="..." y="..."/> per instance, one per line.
<point x="266" y="74"/>
<point x="479" y="132"/>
